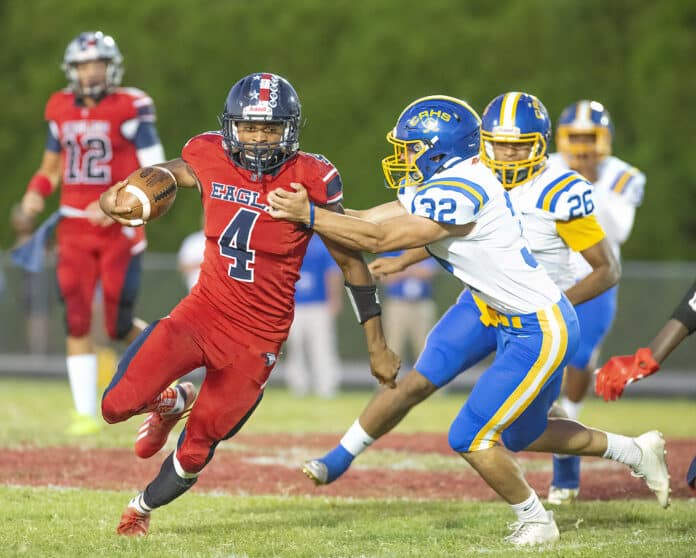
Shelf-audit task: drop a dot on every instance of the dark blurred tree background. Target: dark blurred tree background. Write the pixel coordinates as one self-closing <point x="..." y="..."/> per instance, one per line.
<point x="356" y="64"/>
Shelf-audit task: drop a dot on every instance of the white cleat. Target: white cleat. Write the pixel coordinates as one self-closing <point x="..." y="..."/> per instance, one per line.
<point x="534" y="533"/>
<point x="653" y="467"/>
<point x="562" y="496"/>
<point x="316" y="471"/>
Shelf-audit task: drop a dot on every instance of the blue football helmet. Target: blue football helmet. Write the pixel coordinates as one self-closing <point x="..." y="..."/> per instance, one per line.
<point x="262" y="97"/>
<point x="584" y="118"/>
<point x="87" y="47"/>
<point x="429" y="133"/>
<point x="515" y="118"/>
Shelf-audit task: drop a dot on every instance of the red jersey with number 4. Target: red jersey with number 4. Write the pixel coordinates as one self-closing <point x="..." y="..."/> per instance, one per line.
<point x="252" y="261"/>
<point x="97" y="144"/>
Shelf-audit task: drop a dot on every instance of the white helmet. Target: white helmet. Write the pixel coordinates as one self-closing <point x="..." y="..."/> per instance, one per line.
<point x="89" y="46"/>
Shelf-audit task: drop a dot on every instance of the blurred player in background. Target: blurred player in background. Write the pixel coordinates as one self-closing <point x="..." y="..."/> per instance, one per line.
<point x="98" y="133"/>
<point x="453" y="205"/>
<point x="190" y="258"/>
<point x="583" y="139"/>
<point x="188" y="261"/>
<point x="313" y="364"/>
<point x="36" y="288"/>
<point x="238" y="314"/>
<point x="409" y="309"/>
<point x="620" y="371"/>
<point x="514" y="140"/>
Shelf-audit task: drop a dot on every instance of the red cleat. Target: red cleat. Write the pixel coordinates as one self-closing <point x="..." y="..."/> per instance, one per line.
<point x="133" y="523"/>
<point x="154" y="431"/>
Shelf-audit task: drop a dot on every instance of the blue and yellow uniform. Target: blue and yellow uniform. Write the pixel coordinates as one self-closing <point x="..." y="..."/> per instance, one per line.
<point x="512" y="306"/>
<point x="618" y="192"/>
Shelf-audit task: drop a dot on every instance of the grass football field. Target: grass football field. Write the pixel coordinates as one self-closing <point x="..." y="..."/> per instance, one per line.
<point x="56" y="516"/>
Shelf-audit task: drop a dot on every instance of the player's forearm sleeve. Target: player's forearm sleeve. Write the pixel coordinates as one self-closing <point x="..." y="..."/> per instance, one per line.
<point x="686" y="311"/>
<point x="364" y="300"/>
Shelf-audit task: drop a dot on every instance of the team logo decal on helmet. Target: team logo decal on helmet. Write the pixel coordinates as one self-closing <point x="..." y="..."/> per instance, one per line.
<point x="87" y="47"/>
<point x="516" y="120"/>
<point x="589" y="119"/>
<point x="262" y="97"/>
<point x="429" y="133"/>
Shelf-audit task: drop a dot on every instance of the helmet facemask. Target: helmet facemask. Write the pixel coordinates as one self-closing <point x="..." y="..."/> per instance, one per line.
<point x="577" y="153"/>
<point x="98" y="90"/>
<point x="518" y="172"/>
<point x="261" y="157"/>
<point x="404" y="167"/>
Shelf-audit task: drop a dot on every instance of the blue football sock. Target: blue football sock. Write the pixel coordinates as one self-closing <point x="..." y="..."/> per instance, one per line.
<point x="566" y="471"/>
<point x="691" y="475"/>
<point x="337" y="462"/>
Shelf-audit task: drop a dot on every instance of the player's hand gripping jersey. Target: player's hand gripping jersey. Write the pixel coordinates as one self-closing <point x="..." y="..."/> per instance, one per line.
<point x="557" y="213"/>
<point x="493" y="259"/>
<point x="244" y="261"/>
<point x="618" y="191"/>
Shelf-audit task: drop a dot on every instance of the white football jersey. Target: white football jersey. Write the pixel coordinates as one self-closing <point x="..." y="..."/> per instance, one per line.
<point x="556" y="194"/>
<point x="618" y="191"/>
<point x="493" y="260"/>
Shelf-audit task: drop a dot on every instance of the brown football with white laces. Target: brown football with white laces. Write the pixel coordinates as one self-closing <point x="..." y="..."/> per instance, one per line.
<point x="149" y="193"/>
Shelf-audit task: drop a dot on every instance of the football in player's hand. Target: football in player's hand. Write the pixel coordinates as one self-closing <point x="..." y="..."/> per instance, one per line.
<point x="149" y="193"/>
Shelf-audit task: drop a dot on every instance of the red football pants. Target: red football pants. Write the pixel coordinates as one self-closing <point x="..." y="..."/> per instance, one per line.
<point x="87" y="253"/>
<point x="195" y="334"/>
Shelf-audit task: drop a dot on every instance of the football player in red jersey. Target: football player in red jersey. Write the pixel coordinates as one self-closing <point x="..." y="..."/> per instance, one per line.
<point x="239" y="313"/>
<point x="621" y="371"/>
<point x="98" y="133"/>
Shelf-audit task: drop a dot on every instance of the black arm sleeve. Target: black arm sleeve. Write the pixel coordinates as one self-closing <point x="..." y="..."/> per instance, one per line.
<point x="364" y="300"/>
<point x="686" y="311"/>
